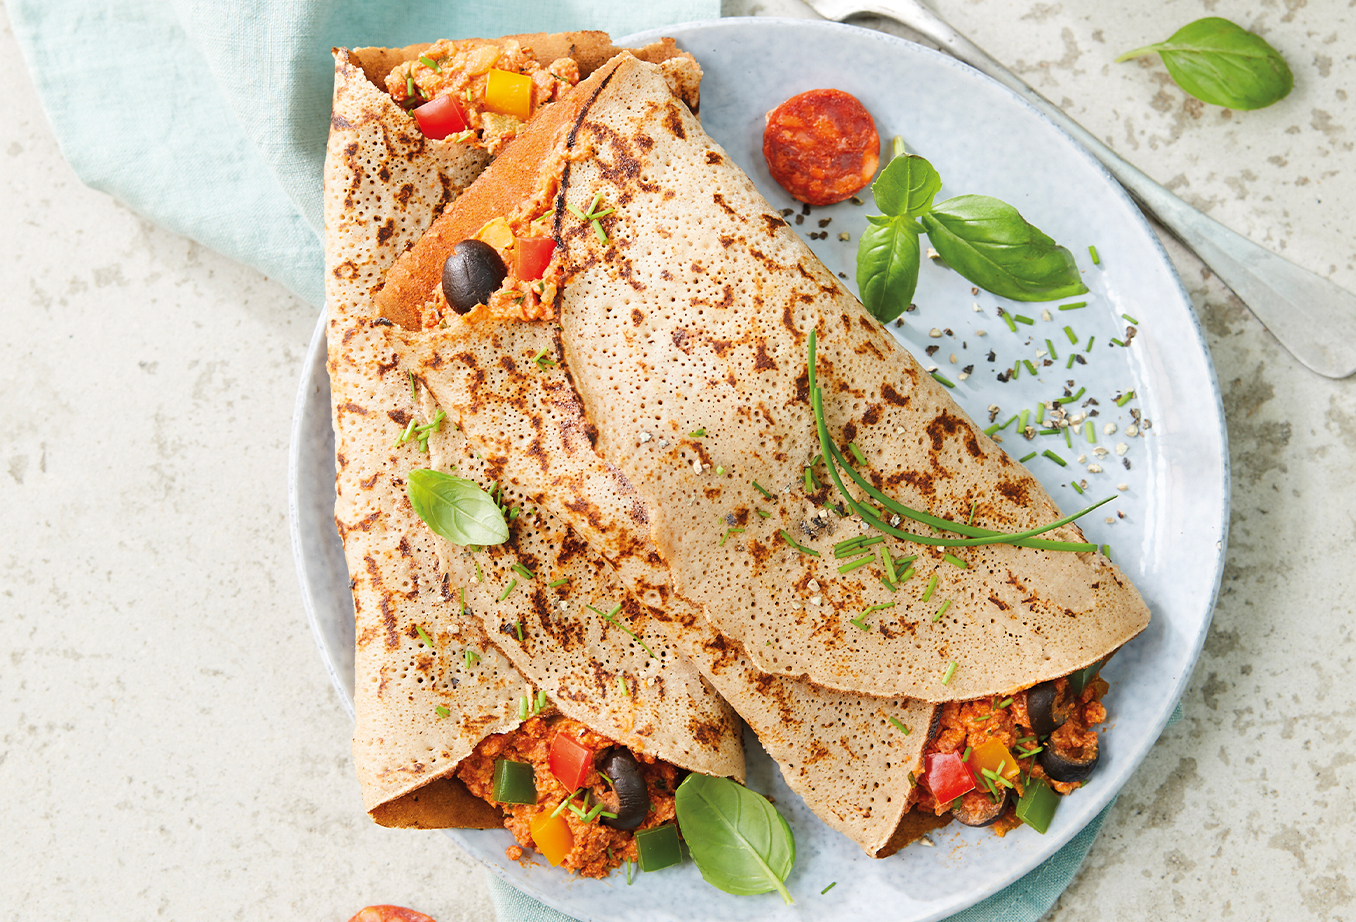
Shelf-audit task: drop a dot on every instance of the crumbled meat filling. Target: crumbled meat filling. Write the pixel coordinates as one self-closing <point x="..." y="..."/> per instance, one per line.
<point x="597" y="848"/>
<point x="463" y="70"/>
<point x="970" y="723"/>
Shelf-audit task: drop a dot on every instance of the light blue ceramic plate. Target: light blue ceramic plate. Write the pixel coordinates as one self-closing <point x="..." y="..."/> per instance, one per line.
<point x="985" y="140"/>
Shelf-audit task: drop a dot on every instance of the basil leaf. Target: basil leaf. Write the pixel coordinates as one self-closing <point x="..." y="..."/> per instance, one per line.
<point x="738" y="840"/>
<point x="888" y="255"/>
<point x="906" y="186"/>
<point x="456" y="508"/>
<point x="1223" y="64"/>
<point x="988" y="242"/>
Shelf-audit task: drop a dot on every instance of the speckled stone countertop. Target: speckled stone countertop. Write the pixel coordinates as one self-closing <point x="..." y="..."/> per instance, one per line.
<point x="169" y="743"/>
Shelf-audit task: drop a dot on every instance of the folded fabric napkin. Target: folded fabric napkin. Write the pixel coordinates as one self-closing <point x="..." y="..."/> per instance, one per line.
<point x="210" y="119"/>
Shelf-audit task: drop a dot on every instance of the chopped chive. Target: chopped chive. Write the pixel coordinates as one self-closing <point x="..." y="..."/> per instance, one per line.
<point x="1016" y="371"/>
<point x="1077" y="488"/>
<point x="1074" y="306"/>
<point x="1007" y="318"/>
<point x="854" y="564"/>
<point x="480" y="577"/>
<point x="1029" y="367"/>
<point x="887" y="584"/>
<point x="424" y="637"/>
<point x="1088" y="348"/>
<point x="762" y="513"/>
<point x="856" y="452"/>
<point x="720" y="471"/>
<point x="541" y="701"/>
<point x="442" y="711"/>
<point x="728" y="532"/>
<point x="941" y="611"/>
<point x="955" y="561"/>
<point x="1051" y="346"/>
<point x="1021" y="425"/>
<point x="984" y="718"/>
<point x="560" y="808"/>
<point x="628" y="872"/>
<point x="1022" y="318"/>
<point x="932" y="585"/>
<point x="1091" y="431"/>
<point x="1069" y="332"/>
<point x="621" y="683"/>
<point x="941" y="379"/>
<point x="950" y="672"/>
<point x="965" y="756"/>
<point x="898" y="724"/>
<point x="522" y="708"/>
<point x="696" y="433"/>
<point x="1071" y="361"/>
<point x="1028" y="753"/>
<point x="409" y="85"/>
<point x="1131" y="319"/>
<point x="523" y="571"/>
<point x="758" y="487"/>
<point x="973" y="505"/>
<point x="507" y="589"/>
<point x="1068" y="439"/>
<point x="828" y="888"/>
<point x="996" y="426"/>
<point x="1125" y="398"/>
<point x="599" y="232"/>
<point x="1118" y="341"/>
<point x="1055" y="458"/>
<point x="786" y="535"/>
<point x="1106" y="551"/>
<point x="906" y="575"/>
<point x="810" y="484"/>
<point x="1092" y="251"/>
<point x="1040" y="412"/>
<point x="429" y="62"/>
<point x="1026" y="457"/>
<point x="519" y="626"/>
<point x="1074" y="399"/>
<point x="555" y="583"/>
<point x="471" y="658"/>
<point x="888" y="562"/>
<point x="576" y="212"/>
<point x="1053" y="430"/>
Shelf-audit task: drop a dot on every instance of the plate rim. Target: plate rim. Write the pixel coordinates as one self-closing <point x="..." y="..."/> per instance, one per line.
<point x="304" y="412"/>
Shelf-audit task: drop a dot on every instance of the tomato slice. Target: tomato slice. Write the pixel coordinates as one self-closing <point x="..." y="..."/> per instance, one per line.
<point x="552" y="836"/>
<point x="532" y="256"/>
<point x="946" y="776"/>
<point x="571" y="761"/>
<point x="440" y="117"/>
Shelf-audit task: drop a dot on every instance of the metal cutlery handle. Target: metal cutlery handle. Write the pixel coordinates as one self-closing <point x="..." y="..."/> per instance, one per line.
<point x="1311" y="316"/>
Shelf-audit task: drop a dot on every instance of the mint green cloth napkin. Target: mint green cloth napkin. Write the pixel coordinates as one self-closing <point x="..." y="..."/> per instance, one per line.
<point x="210" y="118"/>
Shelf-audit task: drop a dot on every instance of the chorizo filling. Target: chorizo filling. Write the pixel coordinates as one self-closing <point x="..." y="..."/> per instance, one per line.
<point x="574" y="820"/>
<point x="985" y="755"/>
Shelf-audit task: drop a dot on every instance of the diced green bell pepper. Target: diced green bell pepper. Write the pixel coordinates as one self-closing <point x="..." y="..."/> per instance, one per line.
<point x="1037" y="806"/>
<point x="514" y="782"/>
<point x="658" y="847"/>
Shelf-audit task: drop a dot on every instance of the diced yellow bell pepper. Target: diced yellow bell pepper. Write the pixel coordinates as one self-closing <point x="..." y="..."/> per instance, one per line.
<point x="552" y="836"/>
<point x="497" y="233"/>
<point x="991" y="754"/>
<point x="509" y="94"/>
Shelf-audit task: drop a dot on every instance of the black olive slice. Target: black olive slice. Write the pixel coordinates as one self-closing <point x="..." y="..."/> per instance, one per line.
<point x="633" y="797"/>
<point x="471" y="274"/>
<point x="1069" y="765"/>
<point x="1046" y="716"/>
<point x="977" y="808"/>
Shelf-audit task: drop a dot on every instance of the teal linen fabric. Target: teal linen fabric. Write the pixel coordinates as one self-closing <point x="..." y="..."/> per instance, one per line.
<point x="210" y="118"/>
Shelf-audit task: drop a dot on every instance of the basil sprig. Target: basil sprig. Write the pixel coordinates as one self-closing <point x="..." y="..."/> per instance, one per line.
<point x="982" y="238"/>
<point x="456" y="508"/>
<point x="739" y="841"/>
<point x="1223" y="64"/>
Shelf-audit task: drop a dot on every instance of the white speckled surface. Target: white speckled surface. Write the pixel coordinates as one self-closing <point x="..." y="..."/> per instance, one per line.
<point x="169" y="744"/>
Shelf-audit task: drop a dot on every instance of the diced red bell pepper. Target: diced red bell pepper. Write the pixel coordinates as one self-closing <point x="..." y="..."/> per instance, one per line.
<point x="531" y="256"/>
<point x="946" y="776"/>
<point x="440" y="117"/>
<point x="571" y="761"/>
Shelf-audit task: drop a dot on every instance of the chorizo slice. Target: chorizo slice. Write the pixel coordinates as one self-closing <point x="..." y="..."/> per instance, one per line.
<point x="821" y="146"/>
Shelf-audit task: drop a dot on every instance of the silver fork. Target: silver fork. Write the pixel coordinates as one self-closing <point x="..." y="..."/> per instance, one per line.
<point x="1311" y="316"/>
